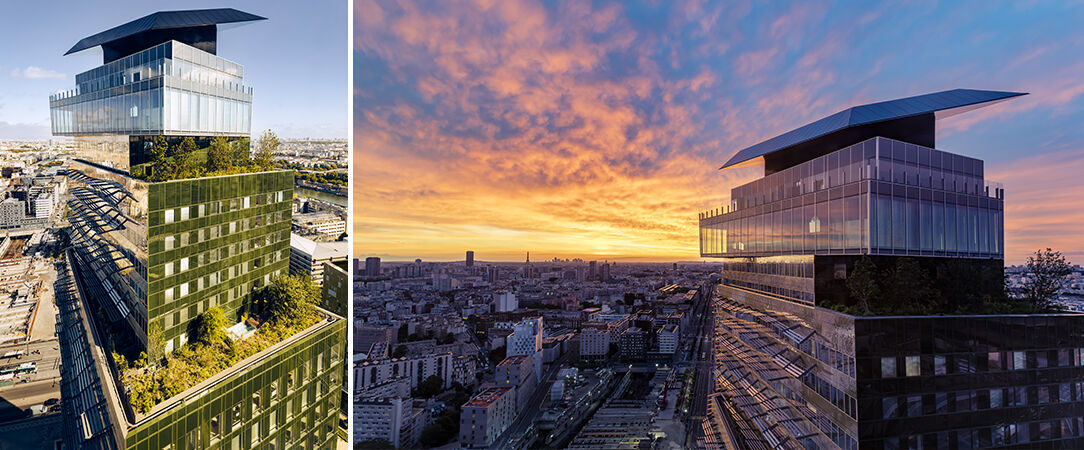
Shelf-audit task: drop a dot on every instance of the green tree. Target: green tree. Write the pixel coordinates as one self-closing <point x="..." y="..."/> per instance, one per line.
<point x="266" y="146"/>
<point x="219" y="155"/>
<point x="862" y="282"/>
<point x="399" y="352"/>
<point x="156" y="344"/>
<point x="160" y="149"/>
<point x="211" y="326"/>
<point x="241" y="152"/>
<point x="162" y="167"/>
<point x="1047" y="270"/>
<point x="288" y="299"/>
<point x="429" y="387"/>
<point x="184" y="155"/>
<point x="909" y="288"/>
<point x="441" y="430"/>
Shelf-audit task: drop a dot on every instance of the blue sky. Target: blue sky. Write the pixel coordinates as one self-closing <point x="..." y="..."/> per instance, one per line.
<point x="296" y="61"/>
<point x="595" y="128"/>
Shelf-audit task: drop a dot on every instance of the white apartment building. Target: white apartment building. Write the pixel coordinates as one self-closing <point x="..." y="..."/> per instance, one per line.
<point x="486" y="416"/>
<point x="383" y="418"/>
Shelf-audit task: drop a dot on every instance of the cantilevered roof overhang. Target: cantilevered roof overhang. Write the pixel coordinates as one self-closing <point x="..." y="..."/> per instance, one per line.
<point x="909" y="119"/>
<point x="196" y="27"/>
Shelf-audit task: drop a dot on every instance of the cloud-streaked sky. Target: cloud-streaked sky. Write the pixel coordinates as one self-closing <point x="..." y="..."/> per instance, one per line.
<point x="296" y="61"/>
<point x="595" y="130"/>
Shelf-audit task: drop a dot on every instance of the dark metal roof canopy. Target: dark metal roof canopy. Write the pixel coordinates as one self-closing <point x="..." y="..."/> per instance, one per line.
<point x="908" y="119"/>
<point x="198" y="28"/>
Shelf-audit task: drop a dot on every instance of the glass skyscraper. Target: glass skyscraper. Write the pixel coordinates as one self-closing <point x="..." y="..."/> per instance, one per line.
<point x="792" y="371"/>
<point x="151" y="257"/>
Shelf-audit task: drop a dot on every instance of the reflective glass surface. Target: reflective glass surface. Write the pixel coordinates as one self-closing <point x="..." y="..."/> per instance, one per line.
<point x="879" y="196"/>
<point x="171" y="88"/>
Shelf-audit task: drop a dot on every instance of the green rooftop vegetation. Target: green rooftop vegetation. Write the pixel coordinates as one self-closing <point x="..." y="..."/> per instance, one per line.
<point x="284" y="308"/>
<point x="222" y="157"/>
<point x="953" y="287"/>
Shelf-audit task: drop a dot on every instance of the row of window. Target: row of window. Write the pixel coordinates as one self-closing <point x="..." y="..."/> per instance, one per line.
<point x="914" y="224"/>
<point x="169" y="58"/>
<point x="269" y="399"/>
<point x="830" y="392"/>
<point x="997" y="435"/>
<point x="877" y="158"/>
<point x="834" y="358"/>
<point x="213" y="279"/>
<point x="981" y="399"/>
<point x="791" y="294"/>
<point x="221" y="206"/>
<point x="913" y="366"/>
<point x="800" y="269"/>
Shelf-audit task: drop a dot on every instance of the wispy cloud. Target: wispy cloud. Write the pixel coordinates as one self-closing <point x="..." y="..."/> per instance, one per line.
<point x="35" y="73"/>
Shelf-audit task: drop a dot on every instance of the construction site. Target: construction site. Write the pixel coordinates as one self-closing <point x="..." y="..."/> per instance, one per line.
<point x="29" y="350"/>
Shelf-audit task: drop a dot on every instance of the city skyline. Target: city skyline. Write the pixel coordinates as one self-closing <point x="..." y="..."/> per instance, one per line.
<point x="298" y="100"/>
<point x="597" y="133"/>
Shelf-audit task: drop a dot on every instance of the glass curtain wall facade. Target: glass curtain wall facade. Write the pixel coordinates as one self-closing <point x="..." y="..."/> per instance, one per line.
<point x="108" y="216"/>
<point x="971" y="381"/>
<point x="211" y="242"/>
<point x="169" y="89"/>
<point x="880" y="196"/>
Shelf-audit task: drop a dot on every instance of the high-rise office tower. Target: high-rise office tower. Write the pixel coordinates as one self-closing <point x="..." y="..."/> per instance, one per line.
<point x="372" y="266"/>
<point x="869" y="181"/>
<point x="470" y="258"/>
<point x="154" y="248"/>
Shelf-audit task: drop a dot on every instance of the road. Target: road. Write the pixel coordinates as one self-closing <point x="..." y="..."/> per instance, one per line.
<point x="703" y="360"/>
<point x="538" y="402"/>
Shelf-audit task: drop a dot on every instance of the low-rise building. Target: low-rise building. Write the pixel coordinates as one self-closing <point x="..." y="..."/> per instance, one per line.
<point x="486" y="416"/>
<point x="668" y="339"/>
<point x="594" y="343"/>
<point x="383" y="418"/>
<point x="416" y="368"/>
<point x="319" y="223"/>
<point x="517" y="372"/>
<point x="308" y="257"/>
<point x="632" y="345"/>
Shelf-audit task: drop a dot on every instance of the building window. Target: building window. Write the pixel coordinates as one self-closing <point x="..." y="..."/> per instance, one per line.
<point x="169" y="216"/>
<point x="184" y="264"/>
<point x="169" y="242"/>
<point x="912" y="366"/>
<point x="1019" y="360"/>
<point x="168" y="268"/>
<point x="939" y="366"/>
<point x="888" y="367"/>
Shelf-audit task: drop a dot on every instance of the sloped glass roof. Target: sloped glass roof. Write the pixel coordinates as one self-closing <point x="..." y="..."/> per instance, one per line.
<point x="942" y="104"/>
<point x="165" y="20"/>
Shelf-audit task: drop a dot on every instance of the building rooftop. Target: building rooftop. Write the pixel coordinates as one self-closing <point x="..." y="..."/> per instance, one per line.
<point x="861" y="122"/>
<point x="162" y="26"/>
<point x="512" y="361"/>
<point x="487" y="397"/>
<point x="320" y="250"/>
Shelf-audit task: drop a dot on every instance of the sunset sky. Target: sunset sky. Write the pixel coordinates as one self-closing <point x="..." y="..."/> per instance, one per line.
<point x="596" y="131"/>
